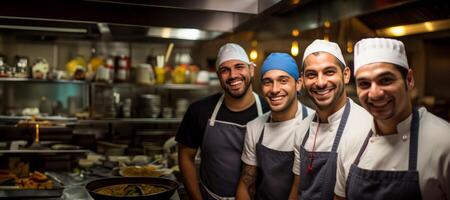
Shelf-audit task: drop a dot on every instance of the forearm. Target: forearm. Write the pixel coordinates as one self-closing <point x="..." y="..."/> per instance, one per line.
<point x="294" y="189"/>
<point x="246" y="189"/>
<point x="189" y="173"/>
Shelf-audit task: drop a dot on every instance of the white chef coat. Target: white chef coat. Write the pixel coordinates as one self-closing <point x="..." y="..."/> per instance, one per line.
<point x="277" y="135"/>
<point x="391" y="153"/>
<point x="359" y="121"/>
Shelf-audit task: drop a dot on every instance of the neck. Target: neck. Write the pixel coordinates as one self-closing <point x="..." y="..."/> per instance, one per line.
<point x="286" y="114"/>
<point x="237" y="105"/>
<point x="389" y="126"/>
<point x="324" y="114"/>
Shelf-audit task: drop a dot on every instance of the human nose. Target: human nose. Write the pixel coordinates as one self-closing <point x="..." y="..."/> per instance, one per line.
<point x="321" y="81"/>
<point x="375" y="91"/>
<point x="275" y="88"/>
<point x="234" y="73"/>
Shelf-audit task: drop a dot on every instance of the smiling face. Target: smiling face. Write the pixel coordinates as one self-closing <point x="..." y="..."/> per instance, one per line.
<point x="381" y="91"/>
<point x="280" y="92"/>
<point x="325" y="81"/>
<point x="235" y="77"/>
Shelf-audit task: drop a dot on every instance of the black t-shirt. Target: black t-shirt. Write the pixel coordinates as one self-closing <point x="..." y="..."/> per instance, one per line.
<point x="193" y="125"/>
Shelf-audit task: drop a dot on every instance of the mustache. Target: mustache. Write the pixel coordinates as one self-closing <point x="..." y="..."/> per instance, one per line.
<point x="228" y="81"/>
<point x="317" y="89"/>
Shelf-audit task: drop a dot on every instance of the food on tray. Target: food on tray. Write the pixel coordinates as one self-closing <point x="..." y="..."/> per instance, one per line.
<point x="130" y="190"/>
<point x="136" y="171"/>
<point x="36" y="180"/>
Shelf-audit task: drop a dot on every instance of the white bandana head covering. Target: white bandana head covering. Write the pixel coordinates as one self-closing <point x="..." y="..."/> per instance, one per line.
<point x="231" y="51"/>
<point x="324" y="46"/>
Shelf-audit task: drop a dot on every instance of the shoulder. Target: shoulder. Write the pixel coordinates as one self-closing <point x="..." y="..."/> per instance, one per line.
<point x="208" y="102"/>
<point x="435" y="128"/>
<point x="259" y="121"/>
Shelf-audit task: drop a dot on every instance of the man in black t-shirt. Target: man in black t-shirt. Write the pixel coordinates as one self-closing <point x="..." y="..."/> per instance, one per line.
<point x="216" y="125"/>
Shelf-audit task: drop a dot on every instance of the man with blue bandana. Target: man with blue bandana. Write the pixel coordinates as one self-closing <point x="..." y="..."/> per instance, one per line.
<point x="268" y="154"/>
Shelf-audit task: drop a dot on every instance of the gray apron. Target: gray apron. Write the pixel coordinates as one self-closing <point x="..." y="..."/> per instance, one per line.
<point x="221" y="150"/>
<point x="274" y="170"/>
<point x="366" y="184"/>
<point x="318" y="169"/>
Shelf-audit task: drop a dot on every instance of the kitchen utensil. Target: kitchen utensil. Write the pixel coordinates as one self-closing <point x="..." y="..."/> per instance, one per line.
<point x="170" y="185"/>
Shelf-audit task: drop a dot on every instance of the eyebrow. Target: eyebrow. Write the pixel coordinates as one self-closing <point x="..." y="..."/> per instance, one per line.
<point x="377" y="76"/>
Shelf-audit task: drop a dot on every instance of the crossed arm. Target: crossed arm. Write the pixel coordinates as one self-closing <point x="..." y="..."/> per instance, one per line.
<point x="247" y="183"/>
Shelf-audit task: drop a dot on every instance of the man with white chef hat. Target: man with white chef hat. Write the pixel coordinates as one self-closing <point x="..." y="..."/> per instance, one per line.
<point x="406" y="154"/>
<point x="268" y="150"/>
<point x="216" y="124"/>
<point x="337" y="116"/>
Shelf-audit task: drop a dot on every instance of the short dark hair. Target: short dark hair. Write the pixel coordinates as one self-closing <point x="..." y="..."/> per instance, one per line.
<point x="337" y="61"/>
<point x="404" y="74"/>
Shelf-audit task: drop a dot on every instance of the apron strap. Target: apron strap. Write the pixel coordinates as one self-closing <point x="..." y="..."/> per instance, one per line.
<point x="258" y="104"/>
<point x="261" y="137"/>
<point x="216" y="110"/>
<point x="219" y="103"/>
<point x="341" y="127"/>
<point x="414" y="140"/>
<point x="363" y="148"/>
<point x="304" y="112"/>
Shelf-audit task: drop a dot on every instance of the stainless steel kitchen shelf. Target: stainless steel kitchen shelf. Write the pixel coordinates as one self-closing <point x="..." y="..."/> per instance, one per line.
<point x="42" y="152"/>
<point x="169" y="86"/>
<point x="131" y="120"/>
<point x="8" y="79"/>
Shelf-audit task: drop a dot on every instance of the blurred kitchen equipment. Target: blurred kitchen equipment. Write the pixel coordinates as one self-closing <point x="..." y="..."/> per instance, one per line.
<point x="4" y="68"/>
<point x="152" y="149"/>
<point x="145" y="74"/>
<point x="150" y="105"/>
<point x="123" y="68"/>
<point x="168" y="184"/>
<point x="22" y="68"/>
<point x="45" y="106"/>
<point x="109" y="148"/>
<point x="167" y="112"/>
<point x="181" y="106"/>
<point x="103" y="74"/>
<point x="126" y="108"/>
<point x="202" y="77"/>
<point x="40" y="68"/>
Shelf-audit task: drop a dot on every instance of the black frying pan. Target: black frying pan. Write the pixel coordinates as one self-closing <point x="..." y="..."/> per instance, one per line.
<point x="170" y="185"/>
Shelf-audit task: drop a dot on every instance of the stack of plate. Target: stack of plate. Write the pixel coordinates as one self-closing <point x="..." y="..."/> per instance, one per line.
<point x="182" y="105"/>
<point x="150" y="105"/>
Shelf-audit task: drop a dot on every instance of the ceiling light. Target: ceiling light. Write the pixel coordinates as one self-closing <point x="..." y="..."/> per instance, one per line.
<point x="411" y="29"/>
<point x="103" y="28"/>
<point x="181" y="33"/>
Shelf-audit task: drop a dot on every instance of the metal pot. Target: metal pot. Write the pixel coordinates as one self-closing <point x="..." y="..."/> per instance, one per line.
<point x="170" y="185"/>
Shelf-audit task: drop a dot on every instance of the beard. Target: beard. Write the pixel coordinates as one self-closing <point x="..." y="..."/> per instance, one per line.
<point x="340" y="89"/>
<point x="237" y="94"/>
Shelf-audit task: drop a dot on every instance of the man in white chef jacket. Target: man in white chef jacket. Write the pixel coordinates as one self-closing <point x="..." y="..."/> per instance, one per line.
<point x="324" y="76"/>
<point x="268" y="149"/>
<point x="406" y="154"/>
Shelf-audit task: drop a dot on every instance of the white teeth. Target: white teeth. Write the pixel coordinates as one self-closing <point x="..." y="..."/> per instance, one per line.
<point x="322" y="92"/>
<point x="235" y="83"/>
<point x="276" y="98"/>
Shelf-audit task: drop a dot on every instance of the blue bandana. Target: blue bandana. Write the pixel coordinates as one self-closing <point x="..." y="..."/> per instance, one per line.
<point x="280" y="61"/>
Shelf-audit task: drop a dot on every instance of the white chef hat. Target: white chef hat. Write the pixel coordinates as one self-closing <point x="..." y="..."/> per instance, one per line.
<point x="231" y="51"/>
<point x="324" y="46"/>
<point x="372" y="50"/>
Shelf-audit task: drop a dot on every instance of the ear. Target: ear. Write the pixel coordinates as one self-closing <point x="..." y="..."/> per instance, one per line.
<point x="347" y="74"/>
<point x="410" y="79"/>
<point x="252" y="69"/>
<point x="299" y="84"/>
